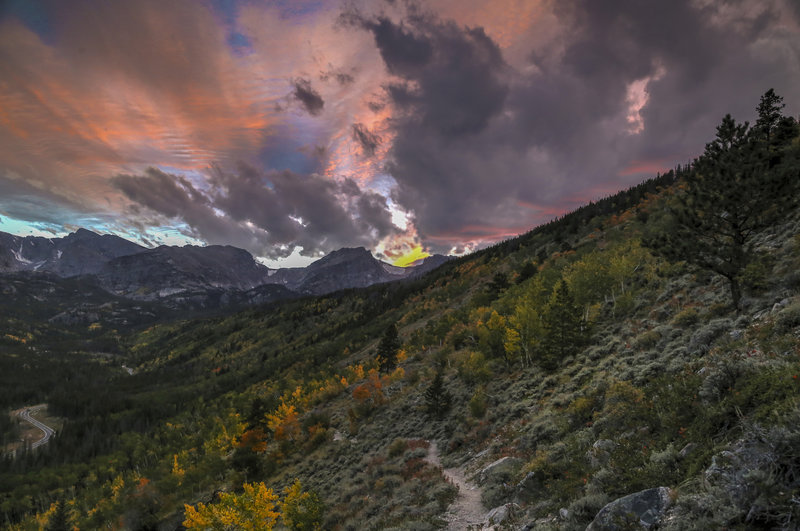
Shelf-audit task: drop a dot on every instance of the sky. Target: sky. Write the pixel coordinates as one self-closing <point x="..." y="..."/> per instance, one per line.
<point x="294" y="128"/>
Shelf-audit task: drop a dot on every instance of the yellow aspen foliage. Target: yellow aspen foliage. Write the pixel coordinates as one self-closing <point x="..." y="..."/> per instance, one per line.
<point x="284" y="423"/>
<point x="116" y="487"/>
<point x="252" y="510"/>
<point x="357" y="371"/>
<point x="224" y="434"/>
<point x="301" y="510"/>
<point x="398" y="374"/>
<point x="177" y="470"/>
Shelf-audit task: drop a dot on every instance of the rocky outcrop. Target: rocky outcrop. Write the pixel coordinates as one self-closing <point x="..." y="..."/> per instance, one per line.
<point x="80" y="253"/>
<point x="166" y="271"/>
<point x="501" y="515"/>
<point x="645" y="509"/>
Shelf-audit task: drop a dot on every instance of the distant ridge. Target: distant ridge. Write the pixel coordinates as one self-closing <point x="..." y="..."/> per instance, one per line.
<point x="192" y="275"/>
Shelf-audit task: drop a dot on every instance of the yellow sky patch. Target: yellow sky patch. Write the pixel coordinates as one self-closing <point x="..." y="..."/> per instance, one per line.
<point x="410" y="257"/>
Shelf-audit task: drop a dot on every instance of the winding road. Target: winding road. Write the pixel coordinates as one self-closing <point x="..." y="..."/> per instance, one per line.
<point x="25" y="414"/>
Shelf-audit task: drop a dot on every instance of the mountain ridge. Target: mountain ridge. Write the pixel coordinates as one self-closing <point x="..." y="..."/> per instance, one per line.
<point x="194" y="275"/>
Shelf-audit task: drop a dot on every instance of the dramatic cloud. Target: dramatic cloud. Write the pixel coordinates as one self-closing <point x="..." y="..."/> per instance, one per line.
<point x="271" y="213"/>
<point x="483" y="148"/>
<point x="275" y="126"/>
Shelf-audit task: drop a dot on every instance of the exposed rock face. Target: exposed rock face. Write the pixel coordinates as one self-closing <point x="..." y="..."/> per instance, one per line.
<point x="645" y="508"/>
<point x="165" y="271"/>
<point x="80" y="253"/>
<point x="345" y="268"/>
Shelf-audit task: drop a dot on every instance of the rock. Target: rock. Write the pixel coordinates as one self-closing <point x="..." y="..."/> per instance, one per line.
<point x="500" y="515"/>
<point x="505" y="466"/>
<point x="731" y="470"/>
<point x="686" y="450"/>
<point x="736" y="334"/>
<point x="780" y="305"/>
<point x="645" y="508"/>
<point x="757" y="316"/>
<point x="563" y="513"/>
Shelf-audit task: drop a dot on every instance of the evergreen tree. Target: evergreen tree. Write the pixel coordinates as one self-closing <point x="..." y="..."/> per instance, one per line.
<point x="498" y="284"/>
<point x="527" y="270"/>
<point x="388" y="347"/>
<point x="735" y="189"/>
<point x="437" y="398"/>
<point x="59" y="520"/>
<point x="564" y="328"/>
<point x="769" y="114"/>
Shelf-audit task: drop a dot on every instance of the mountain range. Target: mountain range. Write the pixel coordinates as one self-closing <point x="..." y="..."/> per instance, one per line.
<point x="193" y="276"/>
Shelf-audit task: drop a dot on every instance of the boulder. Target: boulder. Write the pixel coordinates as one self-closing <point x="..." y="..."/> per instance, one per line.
<point x="686" y="450"/>
<point x="500" y="469"/>
<point x="645" y="508"/>
<point x="500" y="515"/>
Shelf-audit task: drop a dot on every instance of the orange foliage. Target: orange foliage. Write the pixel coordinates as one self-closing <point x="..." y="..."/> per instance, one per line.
<point x="362" y="393"/>
<point x="254" y="440"/>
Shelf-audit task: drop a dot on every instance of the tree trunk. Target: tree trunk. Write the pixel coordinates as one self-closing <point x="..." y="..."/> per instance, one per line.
<point x="736" y="293"/>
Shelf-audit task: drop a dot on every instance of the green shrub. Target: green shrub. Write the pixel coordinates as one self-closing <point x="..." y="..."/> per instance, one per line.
<point x="397" y="447"/>
<point x="788" y="318"/>
<point x="647" y="340"/>
<point x="685" y="318"/>
<point x="477" y="404"/>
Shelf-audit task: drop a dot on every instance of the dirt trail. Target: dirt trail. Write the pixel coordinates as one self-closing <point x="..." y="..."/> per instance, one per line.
<point x="467" y="511"/>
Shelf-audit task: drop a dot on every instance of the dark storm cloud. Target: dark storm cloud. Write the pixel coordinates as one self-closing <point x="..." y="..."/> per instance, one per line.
<point x="454" y="75"/>
<point x="368" y="140"/>
<point x="341" y="77"/>
<point x="480" y="144"/>
<point x="268" y="213"/>
<point x="309" y="98"/>
<point x="173" y="196"/>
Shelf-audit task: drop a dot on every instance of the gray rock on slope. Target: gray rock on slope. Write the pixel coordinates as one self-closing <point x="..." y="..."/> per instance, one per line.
<point x="644" y="508"/>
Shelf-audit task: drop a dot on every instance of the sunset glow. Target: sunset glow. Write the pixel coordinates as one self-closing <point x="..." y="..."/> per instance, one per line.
<point x="225" y="122"/>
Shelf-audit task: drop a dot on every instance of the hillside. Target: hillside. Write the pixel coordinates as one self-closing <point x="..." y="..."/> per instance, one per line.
<point x="559" y="371"/>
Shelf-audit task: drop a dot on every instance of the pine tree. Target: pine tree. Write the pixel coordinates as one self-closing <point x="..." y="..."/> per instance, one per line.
<point x="437" y="398"/>
<point x="734" y="190"/>
<point x="769" y="114"/>
<point x="388" y="347"/>
<point x="564" y="328"/>
<point x="59" y="520"/>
